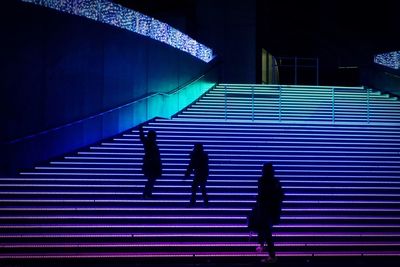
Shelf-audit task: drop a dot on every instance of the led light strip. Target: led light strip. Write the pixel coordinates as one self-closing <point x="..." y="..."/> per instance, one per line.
<point x="280" y="164"/>
<point x="188" y="147"/>
<point x="309" y="176"/>
<point x="188" y="194"/>
<point x="211" y="180"/>
<point x="196" y="244"/>
<point x="152" y="235"/>
<point x="390" y="59"/>
<point x="191" y="209"/>
<point x="194" y="226"/>
<point x="226" y="170"/>
<point x="214" y="201"/>
<point x="116" y="15"/>
<point x="262" y="126"/>
<point x="237" y="187"/>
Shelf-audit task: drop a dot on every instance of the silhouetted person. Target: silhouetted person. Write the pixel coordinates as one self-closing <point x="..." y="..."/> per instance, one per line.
<point x="268" y="206"/>
<point x="199" y="165"/>
<point x="152" y="166"/>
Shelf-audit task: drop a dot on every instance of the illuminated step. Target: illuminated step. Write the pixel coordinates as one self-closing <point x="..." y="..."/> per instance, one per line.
<point x="381" y="154"/>
<point x="273" y="109"/>
<point x="244" y="158"/>
<point x="259" y="148"/>
<point x="231" y="187"/>
<point x="211" y="180"/>
<point x="303" y="99"/>
<point x="197" y="244"/>
<point x="183" y="211"/>
<point x="257" y="127"/>
<point x="327" y="90"/>
<point x="270" y="93"/>
<point x="306" y="125"/>
<point x="317" y="176"/>
<point x="283" y="90"/>
<point x="240" y="162"/>
<point x="309" y="87"/>
<point x="207" y="140"/>
<point x="184" y="219"/>
<point x="179" y="144"/>
<point x="196" y="255"/>
<point x="172" y="201"/>
<point x="180" y="171"/>
<point x="196" y="235"/>
<point x="260" y="137"/>
<point x="315" y="183"/>
<point x="248" y="118"/>
<point x="274" y="113"/>
<point x="227" y="123"/>
<point x="280" y="167"/>
<point x="230" y="194"/>
<point x="294" y="97"/>
<point x="274" y="104"/>
<point x="155" y="255"/>
<point x="295" y="104"/>
<point x="198" y="226"/>
<point x="284" y="117"/>
<point x="270" y="136"/>
<point x="384" y="115"/>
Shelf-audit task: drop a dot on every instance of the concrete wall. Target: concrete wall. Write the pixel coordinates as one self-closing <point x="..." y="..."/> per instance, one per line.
<point x="58" y="69"/>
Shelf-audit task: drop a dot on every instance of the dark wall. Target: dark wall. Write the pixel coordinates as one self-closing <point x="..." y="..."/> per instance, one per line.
<point x="344" y="35"/>
<point x="229" y="27"/>
<point x="380" y="77"/>
<point x="58" y="68"/>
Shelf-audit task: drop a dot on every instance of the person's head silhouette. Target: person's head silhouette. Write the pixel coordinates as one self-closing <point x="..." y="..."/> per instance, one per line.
<point x="151" y="135"/>
<point x="198" y="147"/>
<point x="268" y="169"/>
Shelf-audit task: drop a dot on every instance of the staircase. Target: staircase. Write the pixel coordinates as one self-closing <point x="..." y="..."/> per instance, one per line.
<point x="336" y="152"/>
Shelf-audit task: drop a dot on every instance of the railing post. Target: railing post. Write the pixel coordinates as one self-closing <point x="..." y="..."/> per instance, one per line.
<point x="280" y="104"/>
<point x="225" y="102"/>
<point x="295" y="70"/>
<point x="317" y="71"/>
<point x="333" y="105"/>
<point x="368" y="97"/>
<point x="252" y="103"/>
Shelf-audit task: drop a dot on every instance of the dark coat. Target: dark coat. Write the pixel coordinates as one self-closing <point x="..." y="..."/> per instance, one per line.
<point x="267" y="211"/>
<point x="199" y="164"/>
<point x="269" y="200"/>
<point x="152" y="166"/>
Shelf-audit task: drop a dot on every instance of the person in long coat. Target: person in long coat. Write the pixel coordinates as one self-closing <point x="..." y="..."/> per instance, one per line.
<point x="199" y="165"/>
<point x="152" y="166"/>
<point x="269" y="202"/>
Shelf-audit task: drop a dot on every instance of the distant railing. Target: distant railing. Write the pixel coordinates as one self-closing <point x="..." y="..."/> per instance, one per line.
<point x="295" y="65"/>
<point x="329" y="105"/>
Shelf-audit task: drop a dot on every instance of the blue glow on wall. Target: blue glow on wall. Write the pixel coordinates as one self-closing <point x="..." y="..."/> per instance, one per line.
<point x="391" y="59"/>
<point x="119" y="16"/>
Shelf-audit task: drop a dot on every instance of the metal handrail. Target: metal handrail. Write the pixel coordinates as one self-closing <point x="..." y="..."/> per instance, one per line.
<point x="171" y="92"/>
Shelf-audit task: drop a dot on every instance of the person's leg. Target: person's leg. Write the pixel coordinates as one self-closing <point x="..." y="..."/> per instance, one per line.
<point x="261" y="240"/>
<point x="204" y="192"/>
<point x="270" y="243"/>
<point x="195" y="183"/>
<point x="148" y="189"/>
